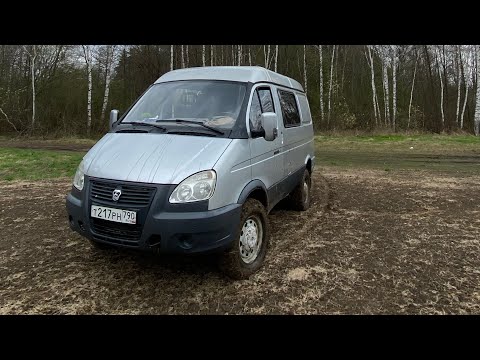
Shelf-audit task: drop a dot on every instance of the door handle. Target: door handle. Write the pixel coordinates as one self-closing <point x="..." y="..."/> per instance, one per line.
<point x="276" y="152"/>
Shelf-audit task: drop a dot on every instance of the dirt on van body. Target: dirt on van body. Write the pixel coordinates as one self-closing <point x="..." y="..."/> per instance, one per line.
<point x="373" y="242"/>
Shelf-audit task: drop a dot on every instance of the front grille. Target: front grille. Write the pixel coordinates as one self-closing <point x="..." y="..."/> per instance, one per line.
<point x="131" y="195"/>
<point x="134" y="197"/>
<point x="116" y="230"/>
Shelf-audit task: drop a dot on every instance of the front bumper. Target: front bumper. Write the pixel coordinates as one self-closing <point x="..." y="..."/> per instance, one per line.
<point x="163" y="227"/>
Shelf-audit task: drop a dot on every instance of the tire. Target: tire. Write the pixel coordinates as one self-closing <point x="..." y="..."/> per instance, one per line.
<point x="301" y="195"/>
<point x="242" y="259"/>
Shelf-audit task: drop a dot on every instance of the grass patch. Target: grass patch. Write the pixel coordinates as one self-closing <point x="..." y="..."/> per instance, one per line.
<point x="26" y="164"/>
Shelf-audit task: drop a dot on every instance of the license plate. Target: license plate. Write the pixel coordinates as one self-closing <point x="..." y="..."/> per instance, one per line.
<point x="111" y="214"/>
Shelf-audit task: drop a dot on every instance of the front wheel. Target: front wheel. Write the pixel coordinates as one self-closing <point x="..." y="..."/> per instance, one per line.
<point x="250" y="245"/>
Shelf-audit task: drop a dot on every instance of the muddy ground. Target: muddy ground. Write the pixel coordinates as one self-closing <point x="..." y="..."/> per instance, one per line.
<point x="373" y="242"/>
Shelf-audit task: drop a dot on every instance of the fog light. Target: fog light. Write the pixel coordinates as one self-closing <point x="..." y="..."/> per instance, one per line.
<point x="185" y="241"/>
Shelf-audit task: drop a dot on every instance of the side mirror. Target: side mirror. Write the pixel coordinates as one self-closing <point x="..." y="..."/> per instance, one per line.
<point x="269" y="124"/>
<point x="113" y="118"/>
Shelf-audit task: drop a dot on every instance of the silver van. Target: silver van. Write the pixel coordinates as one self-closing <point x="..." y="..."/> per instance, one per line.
<point x="196" y="164"/>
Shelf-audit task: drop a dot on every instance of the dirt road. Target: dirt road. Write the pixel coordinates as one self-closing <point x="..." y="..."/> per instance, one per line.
<point x="380" y="242"/>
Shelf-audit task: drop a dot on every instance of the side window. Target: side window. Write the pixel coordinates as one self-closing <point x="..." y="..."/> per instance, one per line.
<point x="255" y="112"/>
<point x="305" y="109"/>
<point x="262" y="101"/>
<point x="289" y="107"/>
<point x="266" y="100"/>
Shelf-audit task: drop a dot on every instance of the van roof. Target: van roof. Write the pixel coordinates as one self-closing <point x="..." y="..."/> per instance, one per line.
<point x="252" y="74"/>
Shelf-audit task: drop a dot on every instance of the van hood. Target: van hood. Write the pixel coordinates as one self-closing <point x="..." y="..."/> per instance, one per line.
<point x="152" y="158"/>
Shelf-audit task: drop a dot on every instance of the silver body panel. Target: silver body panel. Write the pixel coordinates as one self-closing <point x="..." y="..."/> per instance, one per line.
<point x="169" y="159"/>
<point x="152" y="158"/>
<point x="251" y="74"/>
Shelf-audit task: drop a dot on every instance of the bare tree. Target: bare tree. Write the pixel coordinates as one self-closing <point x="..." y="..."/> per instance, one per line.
<point x="109" y="65"/>
<point x="305" y="67"/>
<point x="320" y="58"/>
<point x="276" y="57"/>
<point x="183" y="57"/>
<point x="266" y="54"/>
<point x="411" y="92"/>
<point x="87" y="52"/>
<point x="186" y="52"/>
<point x="459" y="82"/>
<point x="249" y="56"/>
<point x="8" y="120"/>
<point x="394" y="85"/>
<point x="386" y="88"/>
<point x="331" y="84"/>
<point x="437" y="52"/>
<point x="203" y="55"/>
<point x="476" y="121"/>
<point x="171" y="57"/>
<point x="211" y="55"/>
<point x="239" y="54"/>
<point x="466" y="79"/>
<point x="372" y="71"/>
<point x="33" y="56"/>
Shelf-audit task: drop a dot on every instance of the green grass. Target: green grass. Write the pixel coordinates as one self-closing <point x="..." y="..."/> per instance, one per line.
<point x="25" y="164"/>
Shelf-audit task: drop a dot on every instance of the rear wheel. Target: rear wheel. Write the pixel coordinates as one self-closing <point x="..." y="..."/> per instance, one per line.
<point x="300" y="196"/>
<point x="250" y="245"/>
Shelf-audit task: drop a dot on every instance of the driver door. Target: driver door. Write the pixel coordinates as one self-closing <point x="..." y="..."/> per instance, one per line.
<point x="267" y="157"/>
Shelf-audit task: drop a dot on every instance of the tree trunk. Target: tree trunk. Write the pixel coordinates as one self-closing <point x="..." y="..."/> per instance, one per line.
<point x="465" y="79"/>
<point x="411" y="93"/>
<point x="109" y="68"/>
<point x="183" y="57"/>
<point x="249" y="55"/>
<point x="432" y="113"/>
<point x="211" y="55"/>
<point x="203" y="55"/>
<point x="394" y="89"/>
<point x="276" y="57"/>
<point x="171" y="57"/>
<point x="330" y="85"/>
<point x="239" y="55"/>
<point x="88" y="61"/>
<point x="186" y="52"/>
<point x="374" y="94"/>
<point x="386" y="92"/>
<point x="441" y="87"/>
<point x="320" y="59"/>
<point x="305" y="67"/>
<point x="477" y="100"/>
<point x="267" y="56"/>
<point x="33" y="58"/>
<point x="89" y="98"/>
<point x="459" y="82"/>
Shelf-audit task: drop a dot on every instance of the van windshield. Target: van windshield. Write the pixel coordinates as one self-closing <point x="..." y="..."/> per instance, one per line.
<point x="211" y="102"/>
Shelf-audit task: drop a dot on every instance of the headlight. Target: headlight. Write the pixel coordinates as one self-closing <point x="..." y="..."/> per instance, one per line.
<point x="79" y="178"/>
<point x="197" y="187"/>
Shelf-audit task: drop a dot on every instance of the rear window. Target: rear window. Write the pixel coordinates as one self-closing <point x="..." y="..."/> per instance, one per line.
<point x="289" y="107"/>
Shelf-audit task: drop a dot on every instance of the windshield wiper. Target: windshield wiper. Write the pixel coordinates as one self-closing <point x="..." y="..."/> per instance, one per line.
<point x="145" y="124"/>
<point x="191" y="133"/>
<point x="181" y="121"/>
